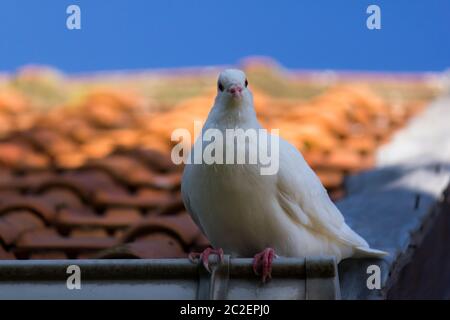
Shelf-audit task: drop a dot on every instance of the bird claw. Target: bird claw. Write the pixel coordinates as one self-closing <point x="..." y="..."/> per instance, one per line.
<point x="204" y="256"/>
<point x="262" y="264"/>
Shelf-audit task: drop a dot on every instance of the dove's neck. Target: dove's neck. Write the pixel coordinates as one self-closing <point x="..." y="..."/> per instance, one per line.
<point x="223" y="116"/>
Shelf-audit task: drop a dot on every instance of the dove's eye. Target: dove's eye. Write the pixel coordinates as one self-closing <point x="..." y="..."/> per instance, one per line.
<point x="220" y="86"/>
<point x="246" y="83"/>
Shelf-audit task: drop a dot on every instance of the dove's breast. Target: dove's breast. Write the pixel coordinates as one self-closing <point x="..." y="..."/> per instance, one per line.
<point x="239" y="210"/>
<point x="232" y="206"/>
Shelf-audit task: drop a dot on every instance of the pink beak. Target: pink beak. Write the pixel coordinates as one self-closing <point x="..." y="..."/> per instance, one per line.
<point x="235" y="90"/>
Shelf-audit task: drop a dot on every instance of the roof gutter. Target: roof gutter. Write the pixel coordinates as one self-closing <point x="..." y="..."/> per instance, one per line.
<point x="293" y="278"/>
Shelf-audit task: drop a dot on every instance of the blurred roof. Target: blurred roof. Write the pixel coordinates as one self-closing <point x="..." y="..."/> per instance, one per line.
<point x="85" y="170"/>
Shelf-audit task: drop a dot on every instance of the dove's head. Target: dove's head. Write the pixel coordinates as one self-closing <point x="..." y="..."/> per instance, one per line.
<point x="232" y="87"/>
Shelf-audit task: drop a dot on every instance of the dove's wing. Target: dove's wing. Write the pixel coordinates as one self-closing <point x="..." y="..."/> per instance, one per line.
<point x="184" y="186"/>
<point x="305" y="200"/>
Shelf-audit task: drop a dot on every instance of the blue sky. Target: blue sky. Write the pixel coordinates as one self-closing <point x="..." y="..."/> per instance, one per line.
<point x="143" y="34"/>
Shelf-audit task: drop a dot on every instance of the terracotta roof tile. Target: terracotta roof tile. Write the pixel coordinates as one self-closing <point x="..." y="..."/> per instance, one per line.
<point x="111" y="219"/>
<point x="175" y="206"/>
<point x="24" y="182"/>
<point x="48" y="239"/>
<point x="12" y="101"/>
<point x="181" y="226"/>
<point x="13" y="224"/>
<point x="48" y="255"/>
<point x="20" y="157"/>
<point x="153" y="246"/>
<point x="62" y="197"/>
<point x="123" y="169"/>
<point x="93" y="180"/>
<point x="40" y="208"/>
<point x="97" y="148"/>
<point x="7" y="194"/>
<point x="89" y="233"/>
<point x="144" y="199"/>
<point x="50" y="142"/>
<point x="5" y="255"/>
<point x="154" y="159"/>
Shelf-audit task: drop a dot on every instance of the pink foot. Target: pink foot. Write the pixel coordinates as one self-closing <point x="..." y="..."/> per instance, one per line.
<point x="204" y="256"/>
<point x="262" y="263"/>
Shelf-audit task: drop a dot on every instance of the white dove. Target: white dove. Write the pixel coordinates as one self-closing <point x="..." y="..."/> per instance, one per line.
<point x="244" y="213"/>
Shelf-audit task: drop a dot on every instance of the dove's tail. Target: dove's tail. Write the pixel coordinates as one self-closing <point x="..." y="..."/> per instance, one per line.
<point x="366" y="252"/>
